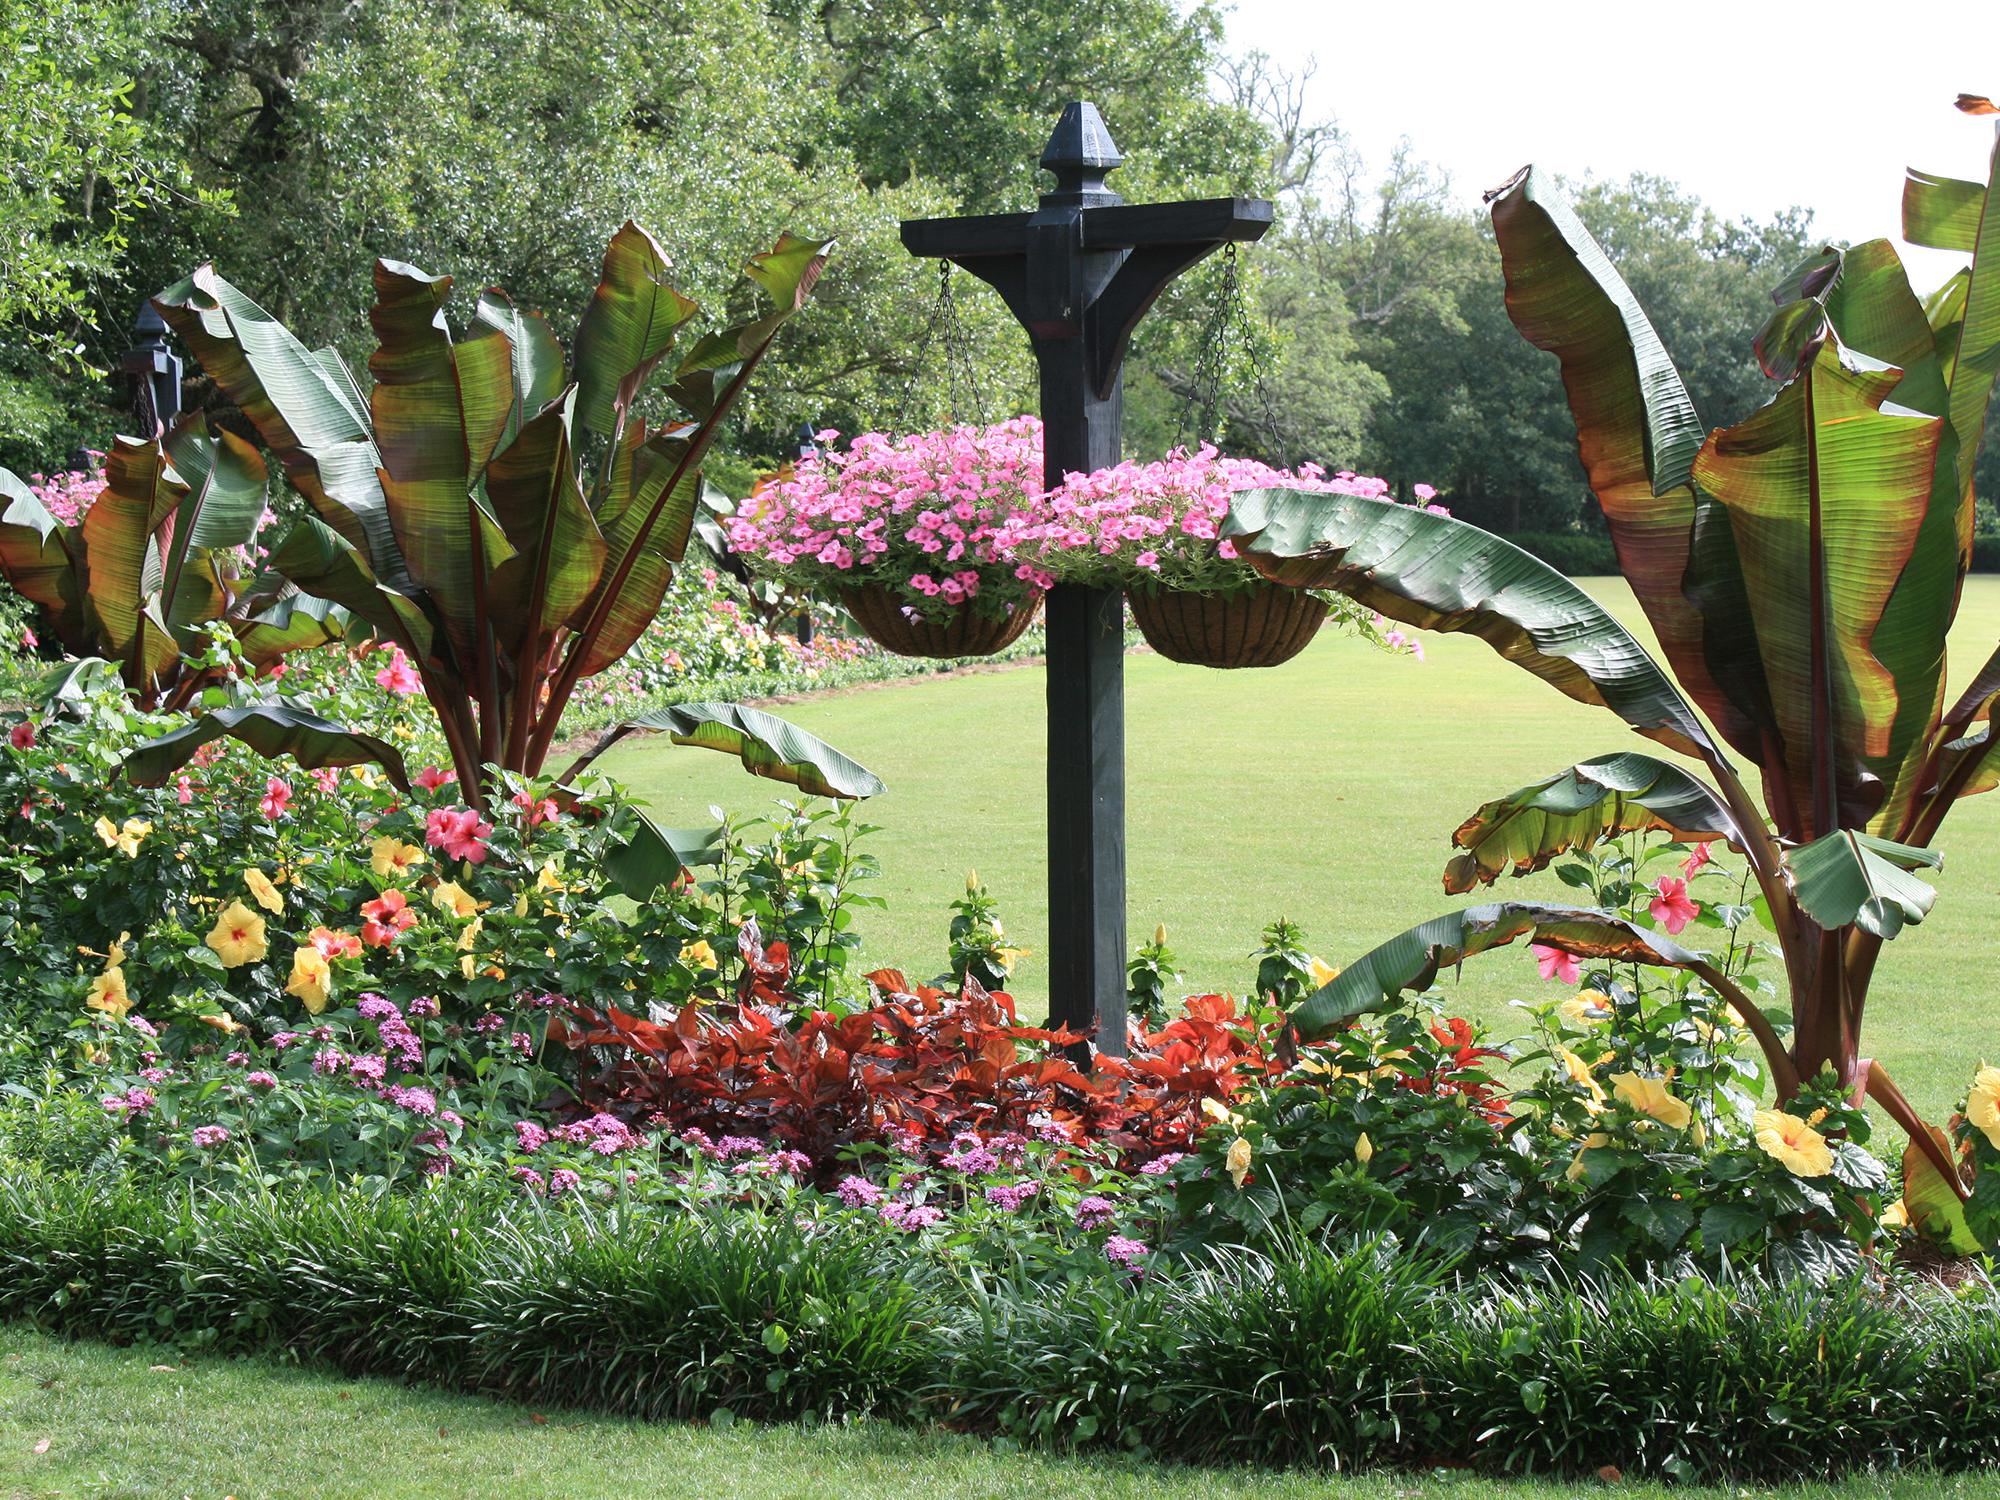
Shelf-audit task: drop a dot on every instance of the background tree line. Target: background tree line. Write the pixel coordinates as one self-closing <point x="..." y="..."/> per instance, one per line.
<point x="500" y="141"/>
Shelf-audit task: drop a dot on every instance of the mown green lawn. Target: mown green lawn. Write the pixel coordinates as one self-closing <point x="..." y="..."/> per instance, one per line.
<point x="1325" y="790"/>
<point x="85" y="1420"/>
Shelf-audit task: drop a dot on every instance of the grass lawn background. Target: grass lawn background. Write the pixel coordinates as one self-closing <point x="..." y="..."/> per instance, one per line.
<point x="113" y="1422"/>
<point x="1325" y="790"/>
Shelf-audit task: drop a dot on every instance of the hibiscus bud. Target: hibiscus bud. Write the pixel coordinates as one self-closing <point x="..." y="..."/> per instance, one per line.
<point x="1364" y="1149"/>
<point x="1160" y="936"/>
<point x="971" y="882"/>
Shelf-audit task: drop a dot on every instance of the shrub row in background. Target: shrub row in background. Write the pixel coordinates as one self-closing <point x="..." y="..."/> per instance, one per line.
<point x="1581" y="555"/>
<point x="1326" y="1357"/>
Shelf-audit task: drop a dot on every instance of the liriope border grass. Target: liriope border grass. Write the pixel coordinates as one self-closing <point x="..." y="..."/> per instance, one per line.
<point x="1327" y="1359"/>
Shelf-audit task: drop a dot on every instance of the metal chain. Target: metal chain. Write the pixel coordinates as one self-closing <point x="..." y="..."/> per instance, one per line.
<point x="945" y="332"/>
<point x="1228" y="324"/>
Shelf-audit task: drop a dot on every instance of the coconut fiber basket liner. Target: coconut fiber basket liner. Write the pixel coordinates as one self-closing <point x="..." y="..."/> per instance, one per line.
<point x="1268" y="625"/>
<point x="966" y="633"/>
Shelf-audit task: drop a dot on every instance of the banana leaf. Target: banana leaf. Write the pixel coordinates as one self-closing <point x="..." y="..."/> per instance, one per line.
<point x="652" y="856"/>
<point x="1412" y="960"/>
<point x="1851" y="877"/>
<point x="1949" y="214"/>
<point x="766" y="745"/>
<point x="1637" y="435"/>
<point x="1828" y="494"/>
<point x="42" y="559"/>
<point x="627" y="329"/>
<point x="1575" y="809"/>
<point x="280" y="727"/>
<point x="1441" y="574"/>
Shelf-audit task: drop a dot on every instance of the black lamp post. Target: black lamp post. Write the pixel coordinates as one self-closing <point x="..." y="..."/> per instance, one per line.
<point x="1079" y="274"/>
<point x="156" y="375"/>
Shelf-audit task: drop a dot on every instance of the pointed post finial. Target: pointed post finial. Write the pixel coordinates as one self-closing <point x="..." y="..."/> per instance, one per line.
<point x="1079" y="153"/>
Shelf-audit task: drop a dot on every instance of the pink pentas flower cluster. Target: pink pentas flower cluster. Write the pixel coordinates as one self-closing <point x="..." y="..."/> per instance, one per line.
<point x="919" y="515"/>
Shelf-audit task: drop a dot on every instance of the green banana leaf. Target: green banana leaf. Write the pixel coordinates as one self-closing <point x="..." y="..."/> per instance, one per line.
<point x="1828" y="495"/>
<point x="1948" y="214"/>
<point x="1575" y="809"/>
<point x="533" y="377"/>
<point x="1637" y="434"/>
<point x="766" y="744"/>
<point x="1852" y="877"/>
<point x="1441" y="574"/>
<point x="652" y="856"/>
<point x="1935" y="1210"/>
<point x="1412" y="960"/>
<point x="280" y="727"/>
<point x="291" y="622"/>
<point x="303" y="403"/>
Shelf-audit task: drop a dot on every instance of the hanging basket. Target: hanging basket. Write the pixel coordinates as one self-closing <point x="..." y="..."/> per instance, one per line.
<point x="967" y="633"/>
<point x="1261" y="628"/>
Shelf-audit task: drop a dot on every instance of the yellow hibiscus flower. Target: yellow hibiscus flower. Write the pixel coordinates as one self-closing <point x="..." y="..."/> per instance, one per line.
<point x="389" y="856"/>
<point x="1802" y="1150"/>
<point x="454" y="900"/>
<point x="471" y="934"/>
<point x="1591" y="1142"/>
<point x="127" y="839"/>
<point x="238" y="937"/>
<point x="549" y="878"/>
<point x="1652" y="1097"/>
<point x="1238" y="1160"/>
<point x="266" y="893"/>
<point x="1323" y="973"/>
<point x="1585" y="1008"/>
<point x="312" y="978"/>
<point x="1579" y="1073"/>
<point x="698" y="955"/>
<point x="108" y="993"/>
<point x="1982" y="1103"/>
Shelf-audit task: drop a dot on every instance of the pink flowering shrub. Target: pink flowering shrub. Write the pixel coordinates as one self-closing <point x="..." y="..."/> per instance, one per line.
<point x="1149" y="525"/>
<point x="68" y="495"/>
<point x="918" y="515"/>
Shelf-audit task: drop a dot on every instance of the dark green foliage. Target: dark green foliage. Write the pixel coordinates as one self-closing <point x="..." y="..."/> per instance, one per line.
<point x="1327" y="1357"/>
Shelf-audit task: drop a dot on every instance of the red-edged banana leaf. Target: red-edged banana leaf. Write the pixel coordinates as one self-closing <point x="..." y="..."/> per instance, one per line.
<point x="121" y="563"/>
<point x="627" y="328"/>
<point x="42" y="559"/>
<point x="1575" y="809"/>
<point x="280" y="727"/>
<point x="645" y="529"/>
<point x="766" y="745"/>
<point x="302" y="402"/>
<point x="787" y="273"/>
<point x="532" y="376"/>
<point x="1828" y="497"/>
<point x="420" y="433"/>
<point x="1439" y="573"/>
<point x="1863" y="297"/>
<point x="1412" y="960"/>
<point x="1637" y="434"/>
<point x="559" y="553"/>
<point x="1855" y="878"/>
<point x="292" y="622"/>
<point x="1948" y="214"/>
<point x="320" y="561"/>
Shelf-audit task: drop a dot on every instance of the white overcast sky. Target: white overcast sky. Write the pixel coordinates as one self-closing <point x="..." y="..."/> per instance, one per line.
<point x="1752" y="105"/>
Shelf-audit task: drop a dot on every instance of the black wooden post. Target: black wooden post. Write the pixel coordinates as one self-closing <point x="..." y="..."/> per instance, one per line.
<point x="1079" y="273"/>
<point x="156" y="375"/>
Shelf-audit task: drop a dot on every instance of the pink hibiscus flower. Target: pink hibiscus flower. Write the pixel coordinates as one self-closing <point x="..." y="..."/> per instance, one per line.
<point x="1671" y="907"/>
<point x="430" y="778"/>
<point x="1698" y="858"/>
<point x="459" y="833"/>
<point x="277" y="797"/>
<point x="1555" y="964"/>
<point x="399" y="677"/>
